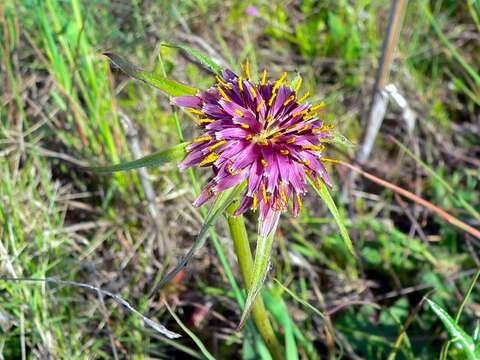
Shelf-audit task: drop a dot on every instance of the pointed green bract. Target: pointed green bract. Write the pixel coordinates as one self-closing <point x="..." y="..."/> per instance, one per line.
<point x="162" y="157"/>
<point x="457" y="333"/>
<point x="322" y="190"/>
<point x="204" y="59"/>
<point x="259" y="271"/>
<point x="338" y="139"/>
<point x="171" y="87"/>
<point x="219" y="206"/>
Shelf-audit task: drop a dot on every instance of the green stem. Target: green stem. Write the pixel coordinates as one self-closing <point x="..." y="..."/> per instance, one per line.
<point x="239" y="235"/>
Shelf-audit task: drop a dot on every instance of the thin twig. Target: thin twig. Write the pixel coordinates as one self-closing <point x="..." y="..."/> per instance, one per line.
<point x="437" y="210"/>
<point x="379" y="97"/>
<point x="153" y="324"/>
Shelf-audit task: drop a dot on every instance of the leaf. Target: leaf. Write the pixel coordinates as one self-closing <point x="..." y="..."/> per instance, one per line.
<point x="454" y="330"/>
<point x="190" y="333"/>
<point x="338" y="139"/>
<point x="279" y="310"/>
<point x="322" y="191"/>
<point x="161" y="157"/>
<point x="259" y="271"/>
<point x="219" y="206"/>
<point x="171" y="87"/>
<point x="204" y="59"/>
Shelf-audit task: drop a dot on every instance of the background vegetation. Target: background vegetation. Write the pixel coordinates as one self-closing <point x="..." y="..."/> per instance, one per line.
<point x="61" y="105"/>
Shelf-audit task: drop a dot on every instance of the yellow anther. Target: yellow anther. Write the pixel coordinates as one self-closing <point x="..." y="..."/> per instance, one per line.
<point x="335" y="161"/>
<point x="269" y="118"/>
<point x="202" y="138"/>
<point x="252" y="91"/>
<point x="245" y="126"/>
<point x="205" y="121"/>
<point x="298" y="113"/>
<point x="260" y="104"/>
<point x="262" y="142"/>
<point x="249" y="137"/>
<point x="272" y="98"/>
<point x="304" y="162"/>
<point x="284" y="152"/>
<point x="247" y="69"/>
<point x="291" y="140"/>
<point x="264" y="77"/>
<point x="304" y="97"/>
<point x="280" y="80"/>
<point x="223" y="82"/>
<point x="240" y="83"/>
<point x="255" y="200"/>
<point x="298" y="84"/>
<point x="304" y="128"/>
<point x="282" y="191"/>
<point x="239" y="112"/>
<point x="210" y="158"/>
<point x="264" y="162"/>
<point x="289" y="100"/>
<point x="195" y="111"/>
<point x="309" y="115"/>
<point x="299" y="199"/>
<point x="216" y="145"/>
<point x="318" y="106"/>
<point x="224" y="95"/>
<point x="264" y="192"/>
<point x="313" y="147"/>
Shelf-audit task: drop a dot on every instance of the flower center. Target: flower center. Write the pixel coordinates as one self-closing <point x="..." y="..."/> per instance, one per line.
<point x="263" y="136"/>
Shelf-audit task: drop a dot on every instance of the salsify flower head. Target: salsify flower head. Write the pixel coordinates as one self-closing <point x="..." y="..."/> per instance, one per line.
<point x="262" y="132"/>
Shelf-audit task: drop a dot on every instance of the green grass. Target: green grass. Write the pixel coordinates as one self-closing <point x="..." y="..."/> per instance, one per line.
<point x="60" y="104"/>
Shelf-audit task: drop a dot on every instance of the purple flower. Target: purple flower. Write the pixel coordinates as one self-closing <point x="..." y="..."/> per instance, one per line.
<point x="262" y="132"/>
<point x="252" y="11"/>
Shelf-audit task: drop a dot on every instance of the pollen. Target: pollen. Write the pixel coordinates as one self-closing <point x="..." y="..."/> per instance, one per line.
<point x="264" y="162"/>
<point x="240" y="83"/>
<point x="195" y="111"/>
<point x="289" y="100"/>
<point x="304" y="97"/>
<point x="313" y="147"/>
<point x="282" y="191"/>
<point x="245" y="126"/>
<point x="202" y="138"/>
<point x="264" y="77"/>
<point x="264" y="192"/>
<point x="239" y="112"/>
<point x="318" y="106"/>
<point x="216" y="145"/>
<point x="260" y="104"/>
<point x="210" y="158"/>
<point x="291" y="140"/>
<point x="252" y="91"/>
<point x="298" y="84"/>
<point x="205" y="121"/>
<point x="223" y="94"/>
<point x="284" y="152"/>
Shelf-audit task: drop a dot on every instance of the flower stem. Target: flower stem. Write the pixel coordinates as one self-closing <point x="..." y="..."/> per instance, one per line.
<point x="239" y="235"/>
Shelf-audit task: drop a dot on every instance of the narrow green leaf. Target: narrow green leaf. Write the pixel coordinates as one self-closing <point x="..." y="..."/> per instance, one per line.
<point x="204" y="59"/>
<point x="171" y="87"/>
<point x="192" y="335"/>
<point x="279" y="310"/>
<point x="219" y="206"/>
<point x="454" y="330"/>
<point x="259" y="271"/>
<point x="322" y="191"/>
<point x="161" y="157"/>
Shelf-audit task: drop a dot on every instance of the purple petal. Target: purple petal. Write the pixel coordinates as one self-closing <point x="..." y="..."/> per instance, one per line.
<point x="187" y="101"/>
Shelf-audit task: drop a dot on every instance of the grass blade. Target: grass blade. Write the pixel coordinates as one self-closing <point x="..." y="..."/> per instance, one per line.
<point x="322" y="191"/>
<point x="161" y="157"/>
<point x="190" y="333"/>
<point x="204" y="59"/>
<point x="171" y="87"/>
<point x="454" y="330"/>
